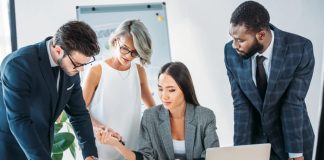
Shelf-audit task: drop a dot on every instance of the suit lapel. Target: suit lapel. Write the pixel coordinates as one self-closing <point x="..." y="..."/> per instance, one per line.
<point x="278" y="57"/>
<point x="248" y="85"/>
<point x="165" y="132"/>
<point x="190" y="131"/>
<point x="46" y="72"/>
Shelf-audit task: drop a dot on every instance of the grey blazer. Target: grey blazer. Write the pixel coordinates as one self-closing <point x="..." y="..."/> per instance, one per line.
<point x="155" y="140"/>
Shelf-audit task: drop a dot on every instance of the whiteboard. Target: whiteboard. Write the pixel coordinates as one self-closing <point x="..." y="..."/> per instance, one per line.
<point x="105" y="18"/>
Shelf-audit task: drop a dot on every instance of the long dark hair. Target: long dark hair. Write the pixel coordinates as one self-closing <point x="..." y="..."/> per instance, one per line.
<point x="180" y="73"/>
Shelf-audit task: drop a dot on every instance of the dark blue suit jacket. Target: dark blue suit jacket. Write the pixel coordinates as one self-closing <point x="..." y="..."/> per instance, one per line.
<point x="30" y="104"/>
<point x="281" y="118"/>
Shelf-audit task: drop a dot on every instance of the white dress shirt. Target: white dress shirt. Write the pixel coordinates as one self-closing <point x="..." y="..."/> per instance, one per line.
<point x="267" y="54"/>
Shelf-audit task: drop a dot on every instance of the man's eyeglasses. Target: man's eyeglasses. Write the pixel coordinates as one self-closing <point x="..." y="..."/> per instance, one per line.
<point x="124" y="50"/>
<point x="79" y="65"/>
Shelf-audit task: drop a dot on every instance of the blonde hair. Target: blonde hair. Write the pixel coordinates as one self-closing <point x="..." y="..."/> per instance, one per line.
<point x="141" y="38"/>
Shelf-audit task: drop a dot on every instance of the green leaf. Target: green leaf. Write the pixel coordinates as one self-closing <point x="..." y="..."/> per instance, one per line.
<point x="57" y="127"/>
<point x="72" y="150"/>
<point x="64" y="117"/>
<point x="62" y="141"/>
<point x="57" y="156"/>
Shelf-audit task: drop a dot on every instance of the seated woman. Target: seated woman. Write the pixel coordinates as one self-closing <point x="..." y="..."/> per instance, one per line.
<point x="179" y="128"/>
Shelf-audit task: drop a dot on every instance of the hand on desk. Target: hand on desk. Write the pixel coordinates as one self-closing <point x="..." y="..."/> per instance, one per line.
<point x="91" y="158"/>
<point x="298" y="158"/>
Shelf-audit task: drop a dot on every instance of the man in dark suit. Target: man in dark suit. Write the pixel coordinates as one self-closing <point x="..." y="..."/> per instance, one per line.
<point x="320" y="140"/>
<point x="33" y="94"/>
<point x="269" y="71"/>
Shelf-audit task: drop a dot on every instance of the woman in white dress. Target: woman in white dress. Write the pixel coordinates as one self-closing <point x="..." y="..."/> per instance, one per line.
<point x="114" y="88"/>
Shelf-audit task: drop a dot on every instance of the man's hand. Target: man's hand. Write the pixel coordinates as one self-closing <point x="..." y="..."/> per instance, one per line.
<point x="298" y="158"/>
<point x="91" y="158"/>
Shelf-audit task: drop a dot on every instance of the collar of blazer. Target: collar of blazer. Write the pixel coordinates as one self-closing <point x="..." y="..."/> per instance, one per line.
<point x="165" y="131"/>
<point x="190" y="110"/>
<point x="278" y="58"/>
<point x="45" y="67"/>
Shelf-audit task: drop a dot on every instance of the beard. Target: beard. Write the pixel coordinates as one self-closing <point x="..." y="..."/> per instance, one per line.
<point x="256" y="47"/>
<point x="63" y="67"/>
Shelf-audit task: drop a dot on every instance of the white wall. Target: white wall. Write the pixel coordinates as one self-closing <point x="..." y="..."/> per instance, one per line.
<point x="198" y="31"/>
<point x="5" y="41"/>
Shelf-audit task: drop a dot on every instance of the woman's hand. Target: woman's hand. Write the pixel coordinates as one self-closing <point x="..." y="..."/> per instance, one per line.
<point x="108" y="136"/>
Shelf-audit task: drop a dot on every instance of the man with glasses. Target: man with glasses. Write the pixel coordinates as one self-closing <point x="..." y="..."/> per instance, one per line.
<point x="38" y="82"/>
<point x="78" y="65"/>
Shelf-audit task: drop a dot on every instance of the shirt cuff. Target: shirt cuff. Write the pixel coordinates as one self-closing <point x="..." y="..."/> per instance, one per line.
<point x="139" y="155"/>
<point x="295" y="155"/>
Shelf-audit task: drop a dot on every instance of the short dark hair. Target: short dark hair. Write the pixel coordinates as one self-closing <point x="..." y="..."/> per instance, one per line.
<point x="180" y="73"/>
<point x="251" y="14"/>
<point x="77" y="36"/>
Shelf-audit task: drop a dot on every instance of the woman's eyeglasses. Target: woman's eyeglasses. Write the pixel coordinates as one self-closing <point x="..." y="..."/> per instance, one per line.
<point x="124" y="50"/>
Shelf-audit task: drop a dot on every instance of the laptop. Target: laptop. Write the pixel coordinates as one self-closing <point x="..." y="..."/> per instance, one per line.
<point x="243" y="152"/>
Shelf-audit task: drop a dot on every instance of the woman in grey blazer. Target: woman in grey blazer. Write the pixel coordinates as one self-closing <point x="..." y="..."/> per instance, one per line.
<point x="179" y="128"/>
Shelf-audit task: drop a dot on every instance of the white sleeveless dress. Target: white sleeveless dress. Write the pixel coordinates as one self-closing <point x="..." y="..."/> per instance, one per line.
<point x="117" y="104"/>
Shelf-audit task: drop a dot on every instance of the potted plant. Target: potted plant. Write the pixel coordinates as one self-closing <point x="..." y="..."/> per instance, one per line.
<point x="63" y="138"/>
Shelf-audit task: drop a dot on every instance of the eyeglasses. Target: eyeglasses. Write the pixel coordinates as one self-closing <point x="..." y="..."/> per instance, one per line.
<point x="79" y="65"/>
<point x="124" y="50"/>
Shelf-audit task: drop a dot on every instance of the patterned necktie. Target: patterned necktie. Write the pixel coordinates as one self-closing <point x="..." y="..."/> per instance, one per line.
<point x="260" y="76"/>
